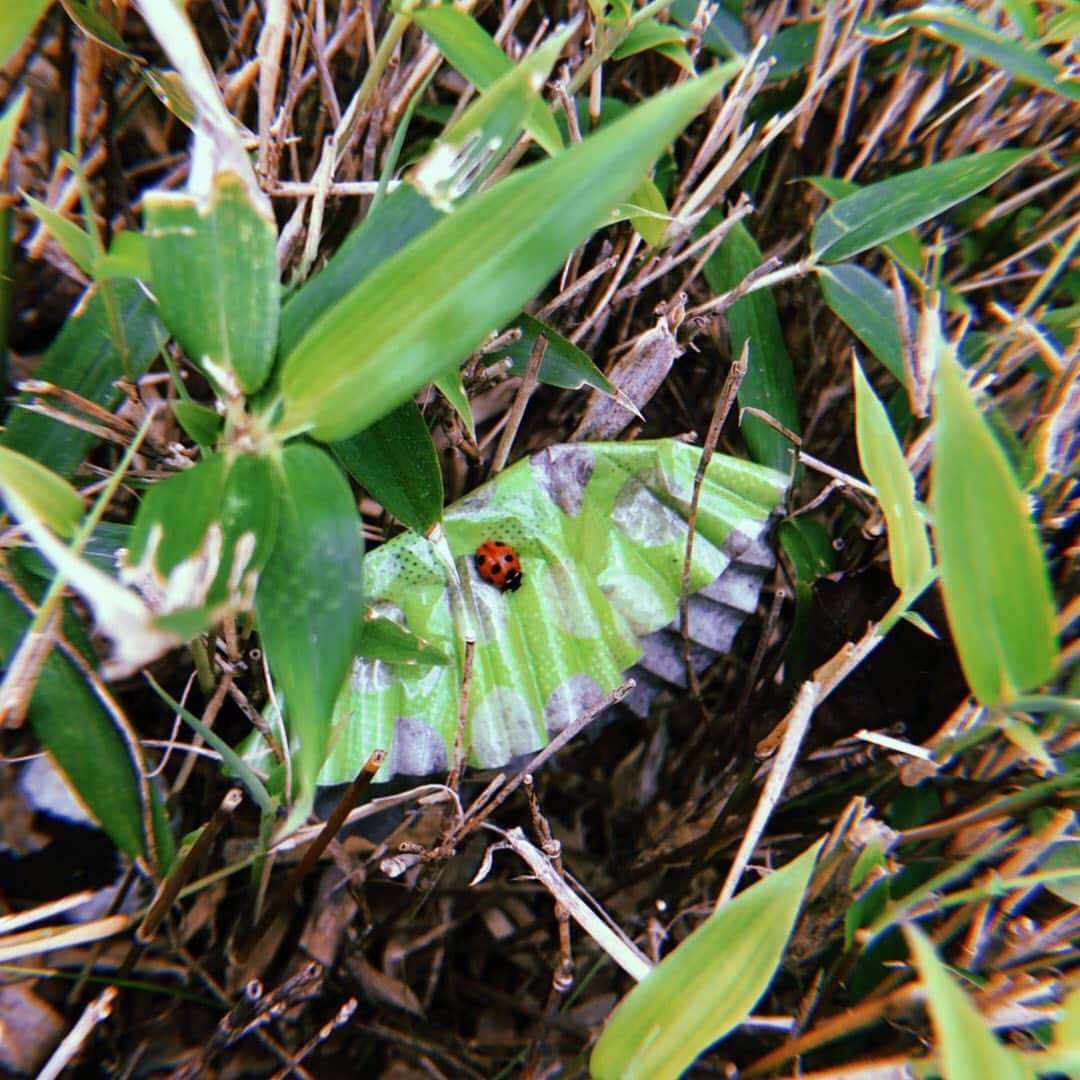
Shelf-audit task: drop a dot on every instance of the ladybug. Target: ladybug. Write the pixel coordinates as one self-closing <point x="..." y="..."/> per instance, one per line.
<point x="498" y="564"/>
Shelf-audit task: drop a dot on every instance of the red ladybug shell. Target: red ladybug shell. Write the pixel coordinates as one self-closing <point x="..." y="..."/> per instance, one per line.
<point x="498" y="564"/>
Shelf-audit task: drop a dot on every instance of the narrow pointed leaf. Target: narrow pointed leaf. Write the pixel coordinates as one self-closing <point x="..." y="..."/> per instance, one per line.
<point x="997" y="590"/>
<point x="403" y="215"/>
<point x="866" y="306"/>
<point x="85" y="359"/>
<point x="470" y="273"/>
<point x="470" y="149"/>
<point x="966" y="1043"/>
<point x="395" y="461"/>
<point x="469" y="47"/>
<point x="73" y="240"/>
<point x="878" y="212"/>
<point x="564" y="364"/>
<point x="16" y="21"/>
<point x="41" y="490"/>
<point x="770" y="379"/>
<point x="883" y="463"/>
<point x="708" y="985"/>
<point x="88" y="737"/>
<point x="1023" y="60"/>
<point x="309" y="601"/>
<point x="216" y="280"/>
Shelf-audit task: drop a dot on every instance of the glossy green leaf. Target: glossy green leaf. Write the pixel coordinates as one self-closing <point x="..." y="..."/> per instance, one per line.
<point x="966" y="1044"/>
<point x="601" y="530"/>
<point x="403" y="215"/>
<point x="199" y="422"/>
<point x="17" y="19"/>
<point x="866" y="306"/>
<point x="394" y="460"/>
<point x="665" y="38"/>
<point x="453" y="389"/>
<point x="470" y="49"/>
<point x="564" y="364"/>
<point x="708" y="985"/>
<point x="883" y="463"/>
<point x="96" y="26"/>
<point x="905" y="248"/>
<point x="216" y="279"/>
<point x="168" y="88"/>
<point x="9" y="125"/>
<point x="770" y="379"/>
<point x="201" y="537"/>
<point x="470" y="149"/>
<point x="724" y="34"/>
<point x="792" y="49"/>
<point x="997" y="590"/>
<point x="88" y="736"/>
<point x="468" y="274"/>
<point x="85" y="359"/>
<point x="73" y="240"/>
<point x="647" y="212"/>
<point x="41" y="491"/>
<point x="1023" y="60"/>
<point x="128" y="257"/>
<point x="880" y="211"/>
<point x="385" y="640"/>
<point x="309" y="601"/>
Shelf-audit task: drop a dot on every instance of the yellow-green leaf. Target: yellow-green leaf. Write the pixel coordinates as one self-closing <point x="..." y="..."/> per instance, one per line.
<point x="708" y="985"/>
<point x="886" y="468"/>
<point x="997" y="590"/>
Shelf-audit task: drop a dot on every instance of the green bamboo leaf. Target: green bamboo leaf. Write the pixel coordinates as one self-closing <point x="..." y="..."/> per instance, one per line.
<point x="309" y="601"/>
<point x="216" y="279"/>
<point x="708" y="985"/>
<point x="168" y="88"/>
<point x="647" y="212"/>
<point x="997" y="590"/>
<point x="453" y="389"/>
<point x="384" y="640"/>
<point x="792" y="49"/>
<point x="41" y="491"/>
<point x="564" y="364"/>
<point x="200" y="539"/>
<point x="16" y="21"/>
<point x="665" y="38"/>
<point x="395" y="461"/>
<point x="866" y="306"/>
<point x="1023" y="60"/>
<point x="468" y="151"/>
<point x="905" y="248"/>
<point x="883" y="463"/>
<point x="470" y="49"/>
<point x="99" y="28"/>
<point x="403" y="215"/>
<point x="88" y="736"/>
<point x="966" y="1043"/>
<point x="199" y="422"/>
<point x="85" y="359"/>
<point x="128" y="257"/>
<point x="468" y="274"/>
<point x="769" y="384"/>
<point x="9" y="125"/>
<point x="74" y="241"/>
<point x="879" y="212"/>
